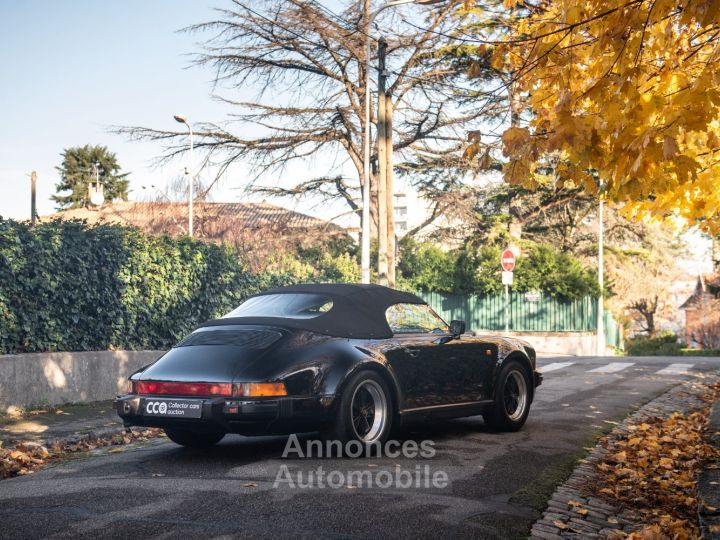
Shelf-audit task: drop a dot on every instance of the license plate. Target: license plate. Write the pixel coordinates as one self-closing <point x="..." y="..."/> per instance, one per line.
<point x="172" y="408"/>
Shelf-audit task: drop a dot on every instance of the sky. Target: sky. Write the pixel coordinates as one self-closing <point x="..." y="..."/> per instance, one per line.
<point x="70" y="70"/>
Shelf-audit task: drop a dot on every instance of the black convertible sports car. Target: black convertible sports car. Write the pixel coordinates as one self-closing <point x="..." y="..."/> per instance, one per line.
<point x="349" y="360"/>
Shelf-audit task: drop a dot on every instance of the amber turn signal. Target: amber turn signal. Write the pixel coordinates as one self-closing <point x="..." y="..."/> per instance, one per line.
<point x="260" y="389"/>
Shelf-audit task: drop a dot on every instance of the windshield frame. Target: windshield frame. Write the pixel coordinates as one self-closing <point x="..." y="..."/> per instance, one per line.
<point x="443" y="329"/>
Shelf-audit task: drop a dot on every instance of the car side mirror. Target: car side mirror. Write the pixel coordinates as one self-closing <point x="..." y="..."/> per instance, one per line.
<point x="457" y="327"/>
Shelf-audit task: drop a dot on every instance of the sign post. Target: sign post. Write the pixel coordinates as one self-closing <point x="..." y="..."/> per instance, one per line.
<point x="507" y="261"/>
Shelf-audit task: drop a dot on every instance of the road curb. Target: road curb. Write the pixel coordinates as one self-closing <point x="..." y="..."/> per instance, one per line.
<point x="100" y="433"/>
<point x="74" y="438"/>
<point x="709" y="484"/>
<point x="602" y="518"/>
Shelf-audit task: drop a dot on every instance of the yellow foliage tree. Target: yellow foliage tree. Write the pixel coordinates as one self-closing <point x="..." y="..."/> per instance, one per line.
<point x="627" y="92"/>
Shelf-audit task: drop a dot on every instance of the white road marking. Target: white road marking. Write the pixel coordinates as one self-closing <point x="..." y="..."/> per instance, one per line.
<point x="612" y="367"/>
<point x="554" y="366"/>
<point x="675" y="369"/>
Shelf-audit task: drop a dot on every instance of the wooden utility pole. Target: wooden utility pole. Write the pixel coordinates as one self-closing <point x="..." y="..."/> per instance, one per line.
<point x="390" y="190"/>
<point x="33" y="197"/>
<point x="382" y="168"/>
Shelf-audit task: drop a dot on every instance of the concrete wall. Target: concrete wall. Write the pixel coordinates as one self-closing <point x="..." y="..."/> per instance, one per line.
<point x="62" y="377"/>
<point x="558" y="343"/>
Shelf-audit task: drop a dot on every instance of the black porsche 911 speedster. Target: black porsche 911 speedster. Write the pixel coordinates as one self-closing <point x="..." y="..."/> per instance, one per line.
<point x="352" y="361"/>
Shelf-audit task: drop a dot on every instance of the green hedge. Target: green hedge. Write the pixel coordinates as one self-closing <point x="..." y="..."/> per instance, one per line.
<point x="701" y="352"/>
<point x="67" y="286"/>
<point x="665" y="344"/>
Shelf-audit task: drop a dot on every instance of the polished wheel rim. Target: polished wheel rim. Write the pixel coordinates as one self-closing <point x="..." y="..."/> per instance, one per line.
<point x="369" y="411"/>
<point x="515" y="395"/>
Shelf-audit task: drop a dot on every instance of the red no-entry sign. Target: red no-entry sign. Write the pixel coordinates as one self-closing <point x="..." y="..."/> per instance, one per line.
<point x="507" y="260"/>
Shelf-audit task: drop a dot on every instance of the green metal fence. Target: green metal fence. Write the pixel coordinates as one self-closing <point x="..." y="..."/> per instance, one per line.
<point x="531" y="312"/>
<point x="613" y="332"/>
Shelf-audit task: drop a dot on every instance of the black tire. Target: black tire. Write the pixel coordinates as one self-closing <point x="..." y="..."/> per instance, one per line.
<point x="365" y="391"/>
<point x="511" y="393"/>
<point x="194" y="439"/>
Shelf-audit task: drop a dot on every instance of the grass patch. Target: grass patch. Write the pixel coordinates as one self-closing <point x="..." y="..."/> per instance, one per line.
<point x="700" y="352"/>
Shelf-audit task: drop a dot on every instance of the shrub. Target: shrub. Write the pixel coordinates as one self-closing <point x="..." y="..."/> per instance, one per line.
<point x="69" y="286"/>
<point x="476" y="270"/>
<point x="425" y="267"/>
<point x="665" y="344"/>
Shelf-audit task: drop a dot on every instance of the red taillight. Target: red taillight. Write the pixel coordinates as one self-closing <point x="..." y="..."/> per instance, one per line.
<point x="208" y="389"/>
<point x="184" y="388"/>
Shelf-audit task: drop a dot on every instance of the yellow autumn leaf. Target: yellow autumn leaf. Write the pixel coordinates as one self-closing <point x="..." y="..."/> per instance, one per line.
<point x="670" y="148"/>
<point x="514" y="140"/>
<point x="625" y="90"/>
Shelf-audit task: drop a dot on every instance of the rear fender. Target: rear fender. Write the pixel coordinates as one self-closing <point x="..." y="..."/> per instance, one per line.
<point x="364" y="360"/>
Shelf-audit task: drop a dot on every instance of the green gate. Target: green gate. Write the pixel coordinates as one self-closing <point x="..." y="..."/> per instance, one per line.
<point x="528" y="312"/>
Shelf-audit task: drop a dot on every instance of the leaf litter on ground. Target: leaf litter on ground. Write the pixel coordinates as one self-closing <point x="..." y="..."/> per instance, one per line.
<point x="26" y="457"/>
<point x="651" y="471"/>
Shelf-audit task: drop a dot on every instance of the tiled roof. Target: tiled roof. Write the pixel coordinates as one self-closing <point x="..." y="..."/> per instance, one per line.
<point x="706" y="288"/>
<point x="212" y="218"/>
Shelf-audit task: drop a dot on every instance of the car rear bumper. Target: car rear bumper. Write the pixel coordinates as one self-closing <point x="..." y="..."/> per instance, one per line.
<point x="231" y="415"/>
<point x="538" y="378"/>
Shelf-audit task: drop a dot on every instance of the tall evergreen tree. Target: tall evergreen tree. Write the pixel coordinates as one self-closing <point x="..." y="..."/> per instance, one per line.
<point x="77" y="171"/>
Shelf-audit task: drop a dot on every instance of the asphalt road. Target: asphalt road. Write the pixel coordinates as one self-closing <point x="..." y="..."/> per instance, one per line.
<point x="498" y="483"/>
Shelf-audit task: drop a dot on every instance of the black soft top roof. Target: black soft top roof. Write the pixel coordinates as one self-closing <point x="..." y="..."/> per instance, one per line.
<point x="358" y="311"/>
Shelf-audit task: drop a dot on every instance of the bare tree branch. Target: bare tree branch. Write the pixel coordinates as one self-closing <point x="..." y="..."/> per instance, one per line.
<point x="307" y="66"/>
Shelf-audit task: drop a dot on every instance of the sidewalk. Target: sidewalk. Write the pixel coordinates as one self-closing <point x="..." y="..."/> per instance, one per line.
<point x="66" y="423"/>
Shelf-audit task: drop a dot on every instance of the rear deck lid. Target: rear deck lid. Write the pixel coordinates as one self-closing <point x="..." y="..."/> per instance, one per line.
<point x="214" y="354"/>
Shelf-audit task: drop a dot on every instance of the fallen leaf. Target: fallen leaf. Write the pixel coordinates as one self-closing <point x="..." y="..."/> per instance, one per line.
<point x="651" y="466"/>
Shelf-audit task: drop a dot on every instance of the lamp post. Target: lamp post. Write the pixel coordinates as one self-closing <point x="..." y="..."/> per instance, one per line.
<point x="183" y="120"/>
<point x="601" y="278"/>
<point x="33" y="198"/>
<point x="365" y="239"/>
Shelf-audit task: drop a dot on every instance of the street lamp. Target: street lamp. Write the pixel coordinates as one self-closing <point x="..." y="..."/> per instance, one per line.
<point x="365" y="240"/>
<point x="601" y="278"/>
<point x="183" y="120"/>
